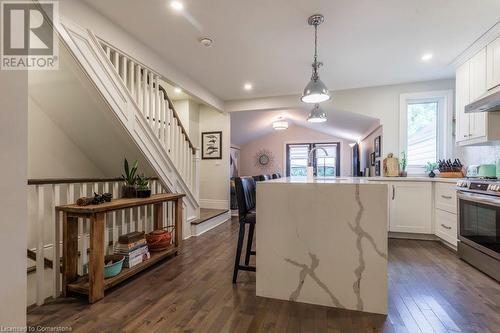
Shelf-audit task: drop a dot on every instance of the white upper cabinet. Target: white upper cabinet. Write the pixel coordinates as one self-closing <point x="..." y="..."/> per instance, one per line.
<point x="462" y="99"/>
<point x="493" y="64"/>
<point x="477" y="86"/>
<point x="474" y="79"/>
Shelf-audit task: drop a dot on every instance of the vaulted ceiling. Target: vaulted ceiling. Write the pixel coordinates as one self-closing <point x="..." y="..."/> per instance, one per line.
<point x="268" y="43"/>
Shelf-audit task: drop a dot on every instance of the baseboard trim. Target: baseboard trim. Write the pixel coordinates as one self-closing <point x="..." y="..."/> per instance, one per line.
<point x="408" y="235"/>
<point x="199" y="229"/>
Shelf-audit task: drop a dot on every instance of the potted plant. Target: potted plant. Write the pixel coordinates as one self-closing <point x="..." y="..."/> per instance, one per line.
<point x="403" y="163"/>
<point x="429" y="168"/>
<point x="143" y="190"/>
<point x="129" y="189"/>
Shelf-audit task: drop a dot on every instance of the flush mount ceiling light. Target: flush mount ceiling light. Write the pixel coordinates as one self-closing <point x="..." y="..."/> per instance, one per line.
<point x="177" y="90"/>
<point x="177" y="5"/>
<point x="427" y="56"/>
<point x="280" y="124"/>
<point x="317" y="115"/>
<point x="315" y="91"/>
<point x="205" y="41"/>
<point x="248" y="86"/>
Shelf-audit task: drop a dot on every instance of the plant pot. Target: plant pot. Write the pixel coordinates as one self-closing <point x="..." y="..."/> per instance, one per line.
<point x="129" y="191"/>
<point x="432" y="174"/>
<point x="403" y="173"/>
<point x="143" y="193"/>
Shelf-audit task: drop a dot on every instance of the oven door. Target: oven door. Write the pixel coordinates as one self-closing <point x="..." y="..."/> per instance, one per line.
<point x="479" y="222"/>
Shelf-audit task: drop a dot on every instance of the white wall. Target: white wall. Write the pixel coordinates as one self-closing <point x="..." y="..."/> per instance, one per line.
<point x="378" y="102"/>
<point x="51" y="152"/>
<point x="275" y="143"/>
<point x="366" y="147"/>
<point x="214" y="174"/>
<point x="194" y="123"/>
<point x="13" y="196"/>
<point x="82" y="14"/>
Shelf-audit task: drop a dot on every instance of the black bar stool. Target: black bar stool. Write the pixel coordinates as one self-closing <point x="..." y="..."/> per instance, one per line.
<point x="245" y="195"/>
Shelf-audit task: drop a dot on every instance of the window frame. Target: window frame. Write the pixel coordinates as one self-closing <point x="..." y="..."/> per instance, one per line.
<point x="311" y="145"/>
<point x="444" y="99"/>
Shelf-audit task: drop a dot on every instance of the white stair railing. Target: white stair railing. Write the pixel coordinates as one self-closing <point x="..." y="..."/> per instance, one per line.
<point x="45" y="227"/>
<point x="143" y="85"/>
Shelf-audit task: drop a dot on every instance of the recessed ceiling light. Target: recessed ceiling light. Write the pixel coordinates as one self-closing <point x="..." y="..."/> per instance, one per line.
<point x="205" y="41"/>
<point x="177" y="5"/>
<point x="247" y="86"/>
<point x="177" y="90"/>
<point x="427" y="56"/>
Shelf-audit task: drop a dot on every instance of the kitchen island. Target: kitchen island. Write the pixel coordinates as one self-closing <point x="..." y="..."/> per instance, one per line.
<point x="323" y="241"/>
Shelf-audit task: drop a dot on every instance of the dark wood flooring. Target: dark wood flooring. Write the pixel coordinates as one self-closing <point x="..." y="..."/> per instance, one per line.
<point x="430" y="290"/>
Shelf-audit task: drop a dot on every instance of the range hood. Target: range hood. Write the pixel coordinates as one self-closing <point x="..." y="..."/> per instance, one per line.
<point x="489" y="103"/>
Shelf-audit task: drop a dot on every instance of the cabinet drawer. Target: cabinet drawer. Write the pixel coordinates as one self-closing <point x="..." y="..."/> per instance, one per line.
<point x="446" y="226"/>
<point x="446" y="197"/>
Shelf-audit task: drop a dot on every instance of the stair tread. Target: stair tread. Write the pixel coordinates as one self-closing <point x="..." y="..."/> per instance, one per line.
<point x="207" y="214"/>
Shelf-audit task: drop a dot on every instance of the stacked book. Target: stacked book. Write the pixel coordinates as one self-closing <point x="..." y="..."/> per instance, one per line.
<point x="133" y="247"/>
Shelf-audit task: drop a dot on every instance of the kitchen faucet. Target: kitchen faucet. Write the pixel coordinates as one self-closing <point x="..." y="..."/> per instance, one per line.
<point x="309" y="160"/>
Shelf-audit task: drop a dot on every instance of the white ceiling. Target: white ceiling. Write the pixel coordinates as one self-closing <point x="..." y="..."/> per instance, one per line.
<point x="362" y="42"/>
<point x="247" y="126"/>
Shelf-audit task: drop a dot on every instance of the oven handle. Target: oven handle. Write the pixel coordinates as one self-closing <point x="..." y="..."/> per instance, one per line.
<point x="485" y="199"/>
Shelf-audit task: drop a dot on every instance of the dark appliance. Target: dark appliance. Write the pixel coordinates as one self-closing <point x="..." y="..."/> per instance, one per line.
<point x="356" y="168"/>
<point x="479" y="224"/>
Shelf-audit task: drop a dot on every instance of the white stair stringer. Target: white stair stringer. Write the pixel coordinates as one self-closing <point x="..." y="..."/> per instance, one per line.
<point x="177" y="170"/>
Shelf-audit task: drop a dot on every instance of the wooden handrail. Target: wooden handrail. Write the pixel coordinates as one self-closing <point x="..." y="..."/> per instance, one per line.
<point x="54" y="181"/>
<point x="170" y="104"/>
<point x="176" y="115"/>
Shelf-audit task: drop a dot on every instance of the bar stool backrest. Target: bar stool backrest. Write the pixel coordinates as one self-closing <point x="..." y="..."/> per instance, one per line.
<point x="245" y="195"/>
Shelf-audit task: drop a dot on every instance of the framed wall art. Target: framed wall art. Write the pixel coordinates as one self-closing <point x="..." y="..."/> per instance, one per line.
<point x="377" y="146"/>
<point x="211" y="145"/>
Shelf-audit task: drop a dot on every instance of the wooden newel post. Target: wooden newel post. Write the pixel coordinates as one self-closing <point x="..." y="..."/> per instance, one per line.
<point x="178" y="222"/>
<point x="158" y="216"/>
<point x="70" y="251"/>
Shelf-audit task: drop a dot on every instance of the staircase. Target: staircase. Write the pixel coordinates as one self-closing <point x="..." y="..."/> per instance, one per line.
<point x="135" y="95"/>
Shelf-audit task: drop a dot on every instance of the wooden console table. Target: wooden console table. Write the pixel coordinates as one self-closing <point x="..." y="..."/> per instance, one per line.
<point x="94" y="284"/>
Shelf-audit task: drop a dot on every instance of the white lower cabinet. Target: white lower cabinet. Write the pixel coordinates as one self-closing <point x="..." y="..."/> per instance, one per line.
<point x="446" y="226"/>
<point x="410" y="207"/>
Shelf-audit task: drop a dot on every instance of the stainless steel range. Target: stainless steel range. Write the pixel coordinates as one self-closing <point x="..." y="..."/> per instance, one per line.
<point x="479" y="224"/>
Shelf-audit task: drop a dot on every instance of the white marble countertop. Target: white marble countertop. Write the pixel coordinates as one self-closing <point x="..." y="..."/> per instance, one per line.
<point x="415" y="179"/>
<point x="358" y="180"/>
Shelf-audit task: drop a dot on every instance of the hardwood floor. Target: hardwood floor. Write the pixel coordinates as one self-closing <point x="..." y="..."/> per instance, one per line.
<point x="430" y="290"/>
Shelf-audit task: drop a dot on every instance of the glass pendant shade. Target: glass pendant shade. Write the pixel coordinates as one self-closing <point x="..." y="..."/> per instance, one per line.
<point x="315" y="92"/>
<point x="317" y="115"/>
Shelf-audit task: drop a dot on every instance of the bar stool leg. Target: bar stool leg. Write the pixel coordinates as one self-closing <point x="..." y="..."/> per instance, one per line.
<point x="241" y="236"/>
<point x="251" y="229"/>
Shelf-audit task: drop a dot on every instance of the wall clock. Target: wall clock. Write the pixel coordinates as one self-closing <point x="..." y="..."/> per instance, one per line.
<point x="264" y="159"/>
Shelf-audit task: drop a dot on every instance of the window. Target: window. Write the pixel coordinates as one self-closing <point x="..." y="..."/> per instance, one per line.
<point x="325" y="164"/>
<point x="425" y="128"/>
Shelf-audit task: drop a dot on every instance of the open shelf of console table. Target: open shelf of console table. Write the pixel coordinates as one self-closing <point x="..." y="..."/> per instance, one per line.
<point x="94" y="283"/>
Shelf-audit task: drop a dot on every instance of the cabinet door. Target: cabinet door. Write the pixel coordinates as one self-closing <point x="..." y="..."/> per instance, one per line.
<point x="477" y="88"/>
<point x="493" y="64"/>
<point x="462" y="99"/>
<point x="411" y="207"/>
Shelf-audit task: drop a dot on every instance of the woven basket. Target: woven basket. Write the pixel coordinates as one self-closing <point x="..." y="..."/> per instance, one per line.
<point x="159" y="240"/>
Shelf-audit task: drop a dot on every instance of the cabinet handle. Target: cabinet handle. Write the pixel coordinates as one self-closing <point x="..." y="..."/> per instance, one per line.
<point x="466" y="135"/>
<point x="393" y="192"/>
<point x="446" y="196"/>
<point x="445" y="226"/>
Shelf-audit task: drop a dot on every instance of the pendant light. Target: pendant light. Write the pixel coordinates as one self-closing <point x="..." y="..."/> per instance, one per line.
<point x="317" y="115"/>
<point x="315" y="91"/>
<point x="280" y="124"/>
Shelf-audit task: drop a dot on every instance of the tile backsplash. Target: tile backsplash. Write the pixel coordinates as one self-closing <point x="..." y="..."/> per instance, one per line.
<point x="478" y="154"/>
